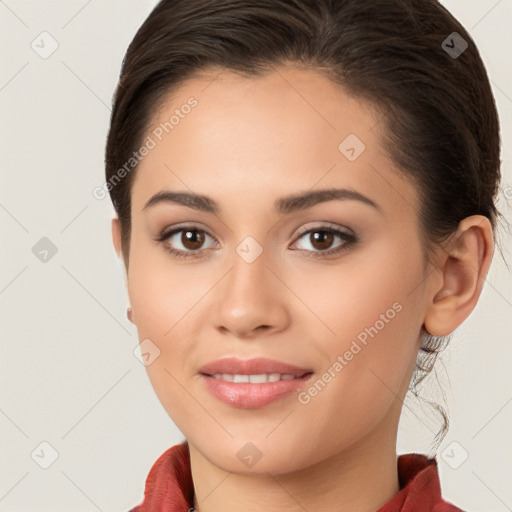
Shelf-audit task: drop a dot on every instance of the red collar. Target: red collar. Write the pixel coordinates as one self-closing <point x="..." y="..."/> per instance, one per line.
<point x="169" y="486"/>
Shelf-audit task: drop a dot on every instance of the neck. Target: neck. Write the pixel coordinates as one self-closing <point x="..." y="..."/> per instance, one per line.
<point x="360" y="479"/>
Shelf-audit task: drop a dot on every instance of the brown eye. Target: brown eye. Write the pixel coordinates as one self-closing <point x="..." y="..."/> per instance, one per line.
<point x="192" y="239"/>
<point x="186" y="242"/>
<point x="321" y="240"/>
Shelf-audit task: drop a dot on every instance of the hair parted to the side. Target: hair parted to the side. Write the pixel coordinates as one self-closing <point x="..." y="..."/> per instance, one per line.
<point x="439" y="116"/>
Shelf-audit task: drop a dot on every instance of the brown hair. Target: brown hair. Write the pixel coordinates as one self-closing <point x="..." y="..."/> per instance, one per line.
<point x="439" y="112"/>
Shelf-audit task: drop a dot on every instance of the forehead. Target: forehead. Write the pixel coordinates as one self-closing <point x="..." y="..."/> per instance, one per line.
<point x="289" y="103"/>
<point x="287" y="130"/>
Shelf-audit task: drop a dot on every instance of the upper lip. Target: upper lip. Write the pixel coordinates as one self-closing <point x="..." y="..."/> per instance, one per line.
<point x="234" y="366"/>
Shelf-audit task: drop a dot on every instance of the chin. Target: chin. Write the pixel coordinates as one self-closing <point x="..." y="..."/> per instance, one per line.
<point x="255" y="455"/>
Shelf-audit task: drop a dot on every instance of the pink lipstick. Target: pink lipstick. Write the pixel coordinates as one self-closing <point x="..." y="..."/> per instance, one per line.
<point x="252" y="383"/>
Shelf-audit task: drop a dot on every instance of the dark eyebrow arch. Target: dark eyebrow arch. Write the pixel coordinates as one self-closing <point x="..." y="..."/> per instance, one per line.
<point x="195" y="201"/>
<point x="283" y="206"/>
<point x="306" y="200"/>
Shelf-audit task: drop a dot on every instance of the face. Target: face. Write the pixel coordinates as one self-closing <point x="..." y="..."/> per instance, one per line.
<point x="334" y="285"/>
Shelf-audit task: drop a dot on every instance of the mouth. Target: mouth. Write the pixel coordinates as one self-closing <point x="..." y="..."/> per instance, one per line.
<point x="259" y="378"/>
<point x="252" y="383"/>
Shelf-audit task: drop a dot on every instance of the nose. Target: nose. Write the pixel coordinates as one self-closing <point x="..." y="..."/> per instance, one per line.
<point x="251" y="300"/>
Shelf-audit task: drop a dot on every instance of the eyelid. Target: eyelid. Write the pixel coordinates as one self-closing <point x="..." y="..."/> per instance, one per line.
<point x="167" y="232"/>
<point x="325" y="225"/>
<point x="350" y="238"/>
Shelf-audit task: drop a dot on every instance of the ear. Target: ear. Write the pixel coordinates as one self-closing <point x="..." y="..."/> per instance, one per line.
<point x="116" y="236"/>
<point x="464" y="263"/>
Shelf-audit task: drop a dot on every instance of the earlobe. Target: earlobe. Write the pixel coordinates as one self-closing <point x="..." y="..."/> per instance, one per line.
<point x="116" y="236"/>
<point x="465" y="261"/>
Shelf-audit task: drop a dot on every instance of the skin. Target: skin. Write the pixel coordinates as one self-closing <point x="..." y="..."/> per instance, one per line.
<point x="248" y="143"/>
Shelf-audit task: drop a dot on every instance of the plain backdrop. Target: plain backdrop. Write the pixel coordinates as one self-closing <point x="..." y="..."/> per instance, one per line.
<point x="68" y="375"/>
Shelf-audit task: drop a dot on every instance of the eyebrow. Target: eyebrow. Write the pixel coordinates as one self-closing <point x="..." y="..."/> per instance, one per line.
<point x="283" y="206"/>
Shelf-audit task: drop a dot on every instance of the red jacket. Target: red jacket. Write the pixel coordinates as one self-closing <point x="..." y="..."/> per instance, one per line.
<point x="169" y="486"/>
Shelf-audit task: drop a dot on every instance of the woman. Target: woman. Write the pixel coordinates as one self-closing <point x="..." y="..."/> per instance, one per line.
<point x="305" y="197"/>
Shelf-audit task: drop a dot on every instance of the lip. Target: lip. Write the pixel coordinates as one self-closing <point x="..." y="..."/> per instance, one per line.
<point x="246" y="395"/>
<point x="251" y="367"/>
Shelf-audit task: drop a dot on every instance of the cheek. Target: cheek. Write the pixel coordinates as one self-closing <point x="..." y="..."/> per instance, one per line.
<point x="163" y="299"/>
<point x="160" y="294"/>
<point x="365" y="289"/>
<point x="373" y="308"/>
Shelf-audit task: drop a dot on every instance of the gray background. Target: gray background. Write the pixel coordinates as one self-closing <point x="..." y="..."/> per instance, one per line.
<point x="68" y="374"/>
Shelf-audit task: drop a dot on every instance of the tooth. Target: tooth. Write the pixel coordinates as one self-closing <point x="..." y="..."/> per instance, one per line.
<point x="258" y="379"/>
<point x="255" y="379"/>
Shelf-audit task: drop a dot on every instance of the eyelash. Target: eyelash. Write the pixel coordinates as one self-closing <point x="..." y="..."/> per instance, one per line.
<point x="349" y="239"/>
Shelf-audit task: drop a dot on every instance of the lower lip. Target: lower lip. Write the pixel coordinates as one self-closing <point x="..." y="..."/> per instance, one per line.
<point x="246" y="395"/>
